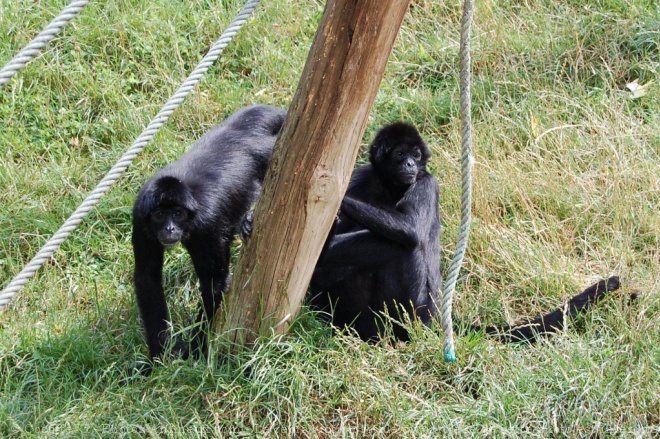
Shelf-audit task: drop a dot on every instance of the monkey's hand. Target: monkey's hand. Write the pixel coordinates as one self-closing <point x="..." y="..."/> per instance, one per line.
<point x="245" y="229"/>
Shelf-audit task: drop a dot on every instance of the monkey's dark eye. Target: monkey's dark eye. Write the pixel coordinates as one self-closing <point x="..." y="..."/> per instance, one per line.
<point x="400" y="154"/>
<point x="158" y="216"/>
<point x="178" y="214"/>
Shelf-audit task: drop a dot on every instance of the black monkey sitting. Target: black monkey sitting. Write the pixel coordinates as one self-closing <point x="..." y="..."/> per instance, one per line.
<point x="200" y="200"/>
<point x="383" y="253"/>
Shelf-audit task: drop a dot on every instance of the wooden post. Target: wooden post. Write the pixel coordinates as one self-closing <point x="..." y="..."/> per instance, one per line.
<point x="311" y="166"/>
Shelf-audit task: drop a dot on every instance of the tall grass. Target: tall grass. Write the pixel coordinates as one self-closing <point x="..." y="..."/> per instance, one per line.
<point x="567" y="190"/>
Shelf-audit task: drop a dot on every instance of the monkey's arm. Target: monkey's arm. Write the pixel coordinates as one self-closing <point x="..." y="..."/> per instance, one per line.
<point x="408" y="223"/>
<point x="149" y="294"/>
<point x="361" y="248"/>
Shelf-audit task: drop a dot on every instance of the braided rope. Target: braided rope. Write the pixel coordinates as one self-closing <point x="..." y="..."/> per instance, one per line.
<point x="466" y="168"/>
<point x="30" y="51"/>
<point x="158" y="121"/>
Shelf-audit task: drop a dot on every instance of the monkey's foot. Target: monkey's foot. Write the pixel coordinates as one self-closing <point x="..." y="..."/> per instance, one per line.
<point x="137" y="369"/>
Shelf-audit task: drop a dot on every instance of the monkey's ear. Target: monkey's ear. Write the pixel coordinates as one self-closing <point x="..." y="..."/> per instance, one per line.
<point x="426" y="152"/>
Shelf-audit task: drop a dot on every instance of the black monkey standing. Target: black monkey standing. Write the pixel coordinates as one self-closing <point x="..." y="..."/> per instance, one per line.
<point x="200" y="200"/>
<point x="383" y="253"/>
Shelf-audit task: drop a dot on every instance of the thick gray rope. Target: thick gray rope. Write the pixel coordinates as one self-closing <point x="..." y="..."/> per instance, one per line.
<point x="158" y="121"/>
<point x="39" y="42"/>
<point x="466" y="168"/>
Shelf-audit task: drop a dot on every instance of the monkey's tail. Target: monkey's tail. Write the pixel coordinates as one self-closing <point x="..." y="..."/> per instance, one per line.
<point x="553" y="321"/>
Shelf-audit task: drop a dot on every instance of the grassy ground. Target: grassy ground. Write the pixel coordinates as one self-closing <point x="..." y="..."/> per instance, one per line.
<point x="567" y="190"/>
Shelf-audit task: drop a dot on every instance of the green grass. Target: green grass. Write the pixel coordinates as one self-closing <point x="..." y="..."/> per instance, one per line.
<point x="567" y="190"/>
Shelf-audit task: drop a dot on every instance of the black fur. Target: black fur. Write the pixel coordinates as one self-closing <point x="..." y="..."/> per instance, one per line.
<point x="383" y="253"/>
<point x="200" y="200"/>
<point x="555" y="320"/>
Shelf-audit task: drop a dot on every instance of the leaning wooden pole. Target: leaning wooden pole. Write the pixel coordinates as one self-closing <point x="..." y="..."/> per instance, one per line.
<point x="311" y="166"/>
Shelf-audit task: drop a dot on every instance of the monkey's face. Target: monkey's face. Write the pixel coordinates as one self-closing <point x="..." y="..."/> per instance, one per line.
<point x="405" y="164"/>
<point x="398" y="154"/>
<point x="169" y="224"/>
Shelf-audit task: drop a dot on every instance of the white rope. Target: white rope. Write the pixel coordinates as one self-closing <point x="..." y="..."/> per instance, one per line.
<point x="39" y="42"/>
<point x="466" y="187"/>
<point x="158" y="121"/>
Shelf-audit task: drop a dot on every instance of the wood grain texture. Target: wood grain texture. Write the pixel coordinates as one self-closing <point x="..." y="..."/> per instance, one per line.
<point x="311" y="166"/>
